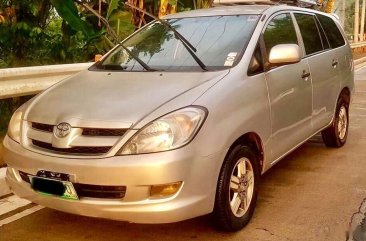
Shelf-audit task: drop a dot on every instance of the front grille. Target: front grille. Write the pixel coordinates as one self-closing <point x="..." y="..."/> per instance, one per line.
<point x="103" y="132"/>
<point x="97" y="191"/>
<point x="41" y="136"/>
<point x="42" y="127"/>
<point x="73" y="150"/>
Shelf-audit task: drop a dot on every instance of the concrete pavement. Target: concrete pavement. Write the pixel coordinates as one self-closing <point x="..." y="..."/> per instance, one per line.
<point x="316" y="193"/>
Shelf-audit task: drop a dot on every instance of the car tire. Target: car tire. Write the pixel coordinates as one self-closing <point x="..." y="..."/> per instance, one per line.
<point x="236" y="193"/>
<point x="336" y="134"/>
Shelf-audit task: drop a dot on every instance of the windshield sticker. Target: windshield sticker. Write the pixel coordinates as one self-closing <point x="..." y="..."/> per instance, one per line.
<point x="252" y="18"/>
<point x="230" y="59"/>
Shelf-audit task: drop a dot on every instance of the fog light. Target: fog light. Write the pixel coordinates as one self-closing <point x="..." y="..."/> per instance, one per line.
<point x="165" y="190"/>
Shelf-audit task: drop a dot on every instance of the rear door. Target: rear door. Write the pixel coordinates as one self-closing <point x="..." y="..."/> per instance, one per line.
<point x="289" y="89"/>
<point x="323" y="63"/>
<point x="341" y="51"/>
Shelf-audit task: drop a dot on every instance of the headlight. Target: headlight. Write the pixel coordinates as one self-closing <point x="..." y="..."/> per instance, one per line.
<point x="15" y="125"/>
<point x="169" y="132"/>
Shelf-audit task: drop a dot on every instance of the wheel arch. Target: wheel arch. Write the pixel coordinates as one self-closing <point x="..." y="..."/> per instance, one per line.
<point x="345" y="94"/>
<point x="254" y="142"/>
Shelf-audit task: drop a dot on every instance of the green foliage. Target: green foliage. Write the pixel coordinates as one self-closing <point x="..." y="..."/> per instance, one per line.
<point x="120" y="21"/>
<point x="113" y="5"/>
<point x="68" y="11"/>
<point x="37" y="35"/>
<point x="7" y="107"/>
<point x="42" y="32"/>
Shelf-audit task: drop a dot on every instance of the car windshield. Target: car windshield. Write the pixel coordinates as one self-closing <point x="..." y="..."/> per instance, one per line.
<point x="220" y="42"/>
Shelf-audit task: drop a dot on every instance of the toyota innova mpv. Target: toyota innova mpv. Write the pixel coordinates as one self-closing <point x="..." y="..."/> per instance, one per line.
<point x="183" y="117"/>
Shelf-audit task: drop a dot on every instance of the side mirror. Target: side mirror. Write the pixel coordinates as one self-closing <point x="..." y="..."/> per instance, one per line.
<point x="284" y="54"/>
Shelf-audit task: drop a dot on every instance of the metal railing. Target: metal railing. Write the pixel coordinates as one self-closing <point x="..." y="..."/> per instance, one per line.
<point x="16" y="82"/>
<point x="358" y="45"/>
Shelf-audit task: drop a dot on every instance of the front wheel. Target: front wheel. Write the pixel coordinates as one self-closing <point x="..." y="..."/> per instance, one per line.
<point x="336" y="134"/>
<point x="237" y="190"/>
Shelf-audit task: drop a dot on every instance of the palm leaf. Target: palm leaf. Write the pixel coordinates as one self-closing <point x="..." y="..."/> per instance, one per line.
<point x="113" y="5"/>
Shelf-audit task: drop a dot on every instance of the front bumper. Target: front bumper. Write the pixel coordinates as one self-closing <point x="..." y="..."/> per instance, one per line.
<point x="195" y="198"/>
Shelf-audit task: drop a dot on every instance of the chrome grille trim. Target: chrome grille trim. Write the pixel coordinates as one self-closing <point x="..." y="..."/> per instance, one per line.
<point x="39" y="135"/>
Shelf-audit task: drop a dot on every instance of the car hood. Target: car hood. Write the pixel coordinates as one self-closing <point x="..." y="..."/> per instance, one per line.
<point x="115" y="99"/>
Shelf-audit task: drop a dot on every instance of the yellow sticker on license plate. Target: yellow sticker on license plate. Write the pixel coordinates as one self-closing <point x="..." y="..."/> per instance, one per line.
<point x="70" y="192"/>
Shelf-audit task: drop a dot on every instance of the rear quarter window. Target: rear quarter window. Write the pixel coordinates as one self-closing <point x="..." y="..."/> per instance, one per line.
<point x="332" y="31"/>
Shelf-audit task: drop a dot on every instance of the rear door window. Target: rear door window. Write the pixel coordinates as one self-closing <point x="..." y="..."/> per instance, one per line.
<point x="310" y="33"/>
<point x="332" y="31"/>
<point x="280" y="30"/>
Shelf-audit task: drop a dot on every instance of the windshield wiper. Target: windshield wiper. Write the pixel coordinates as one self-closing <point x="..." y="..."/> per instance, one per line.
<point x="190" y="48"/>
<point x="142" y="63"/>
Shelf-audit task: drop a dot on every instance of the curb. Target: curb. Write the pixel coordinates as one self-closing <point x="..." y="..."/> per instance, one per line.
<point x="4" y="189"/>
<point x="359" y="61"/>
<point x="360" y="66"/>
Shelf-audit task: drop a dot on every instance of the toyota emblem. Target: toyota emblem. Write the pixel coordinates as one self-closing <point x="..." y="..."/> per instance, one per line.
<point x="62" y="130"/>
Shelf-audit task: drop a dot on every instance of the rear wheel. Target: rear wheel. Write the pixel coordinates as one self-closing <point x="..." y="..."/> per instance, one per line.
<point x="237" y="187"/>
<point x="336" y="134"/>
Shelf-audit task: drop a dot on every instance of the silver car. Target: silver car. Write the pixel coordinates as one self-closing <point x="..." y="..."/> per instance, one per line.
<point x="183" y="117"/>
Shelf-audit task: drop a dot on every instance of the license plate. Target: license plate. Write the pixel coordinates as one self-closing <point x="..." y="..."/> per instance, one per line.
<point x="48" y="186"/>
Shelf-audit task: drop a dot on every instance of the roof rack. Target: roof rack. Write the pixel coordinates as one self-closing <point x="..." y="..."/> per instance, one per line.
<point x="244" y="2"/>
<point x="298" y="3"/>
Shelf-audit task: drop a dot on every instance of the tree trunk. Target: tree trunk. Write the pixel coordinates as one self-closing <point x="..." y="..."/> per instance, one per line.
<point x="357" y="21"/>
<point x="343" y="13"/>
<point x="44" y="13"/>
<point x="136" y="15"/>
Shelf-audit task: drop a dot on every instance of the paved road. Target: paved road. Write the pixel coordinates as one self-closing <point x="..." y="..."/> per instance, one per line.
<point x="310" y="195"/>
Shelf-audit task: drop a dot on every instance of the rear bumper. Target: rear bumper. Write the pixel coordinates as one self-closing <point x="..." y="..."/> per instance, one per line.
<point x="137" y="173"/>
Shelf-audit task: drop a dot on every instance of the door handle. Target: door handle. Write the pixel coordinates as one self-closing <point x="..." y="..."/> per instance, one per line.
<point x="335" y="63"/>
<point x="305" y="75"/>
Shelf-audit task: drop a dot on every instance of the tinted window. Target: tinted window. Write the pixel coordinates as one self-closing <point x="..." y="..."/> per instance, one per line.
<point x="280" y="30"/>
<point x="309" y="32"/>
<point x="324" y="38"/>
<point x="332" y="31"/>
